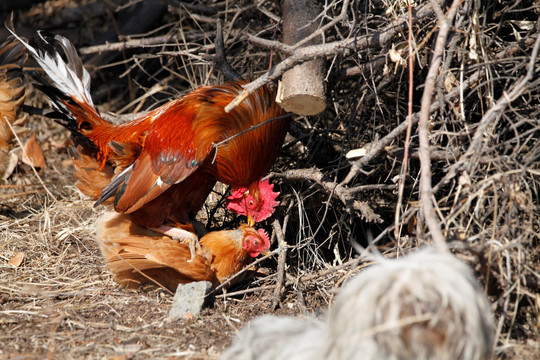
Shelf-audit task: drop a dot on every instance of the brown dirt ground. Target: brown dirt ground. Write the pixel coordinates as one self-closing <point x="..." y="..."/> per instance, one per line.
<point x="61" y="303"/>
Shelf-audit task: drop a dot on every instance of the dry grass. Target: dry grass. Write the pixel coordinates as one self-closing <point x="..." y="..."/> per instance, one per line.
<point x="60" y="303"/>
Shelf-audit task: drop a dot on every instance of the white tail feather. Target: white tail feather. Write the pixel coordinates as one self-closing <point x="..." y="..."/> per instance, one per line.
<point x="71" y="78"/>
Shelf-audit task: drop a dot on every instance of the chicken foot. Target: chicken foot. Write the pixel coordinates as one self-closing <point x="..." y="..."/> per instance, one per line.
<point x="182" y="235"/>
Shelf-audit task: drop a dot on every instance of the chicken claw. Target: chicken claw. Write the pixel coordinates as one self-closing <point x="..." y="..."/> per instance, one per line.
<point x="183" y="236"/>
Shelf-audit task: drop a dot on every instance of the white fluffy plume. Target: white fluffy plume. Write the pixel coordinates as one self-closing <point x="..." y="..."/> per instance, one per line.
<point x="71" y="78"/>
<point x="427" y="305"/>
<point x="273" y="337"/>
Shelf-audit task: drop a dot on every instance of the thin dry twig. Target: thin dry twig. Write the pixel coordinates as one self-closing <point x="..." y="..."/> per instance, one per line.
<point x="341" y="192"/>
<point x="426" y="192"/>
<point x="281" y="263"/>
<point x="405" y="164"/>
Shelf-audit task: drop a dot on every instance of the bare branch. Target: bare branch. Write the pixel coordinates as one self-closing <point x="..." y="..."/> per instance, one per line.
<point x="426" y="192"/>
<point x="497" y="110"/>
<point x="282" y="257"/>
<point x="341" y="192"/>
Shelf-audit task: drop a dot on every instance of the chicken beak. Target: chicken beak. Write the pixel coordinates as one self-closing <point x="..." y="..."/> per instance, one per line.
<point x="250" y="220"/>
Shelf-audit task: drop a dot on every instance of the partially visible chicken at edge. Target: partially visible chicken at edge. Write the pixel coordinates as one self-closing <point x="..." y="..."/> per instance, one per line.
<point x="12" y="58"/>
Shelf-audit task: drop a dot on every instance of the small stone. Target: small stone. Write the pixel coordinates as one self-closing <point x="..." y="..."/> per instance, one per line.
<point x="190" y="299"/>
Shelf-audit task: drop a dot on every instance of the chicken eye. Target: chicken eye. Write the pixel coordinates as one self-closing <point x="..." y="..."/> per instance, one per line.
<point x="250" y="202"/>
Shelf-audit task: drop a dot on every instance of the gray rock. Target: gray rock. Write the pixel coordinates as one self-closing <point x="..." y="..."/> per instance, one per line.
<point x="190" y="299"/>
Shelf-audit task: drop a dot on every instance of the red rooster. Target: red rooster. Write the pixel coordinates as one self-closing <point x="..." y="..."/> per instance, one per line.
<point x="12" y="58"/>
<point x="167" y="161"/>
<point x="137" y="255"/>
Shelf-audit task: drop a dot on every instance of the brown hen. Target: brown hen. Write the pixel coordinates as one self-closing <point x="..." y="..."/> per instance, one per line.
<point x="137" y="255"/>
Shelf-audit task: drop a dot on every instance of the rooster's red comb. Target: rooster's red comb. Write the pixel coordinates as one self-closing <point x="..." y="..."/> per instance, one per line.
<point x="268" y="199"/>
<point x="237" y="201"/>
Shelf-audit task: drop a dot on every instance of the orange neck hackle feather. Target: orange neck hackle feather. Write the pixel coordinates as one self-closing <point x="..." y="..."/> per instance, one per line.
<point x="231" y="250"/>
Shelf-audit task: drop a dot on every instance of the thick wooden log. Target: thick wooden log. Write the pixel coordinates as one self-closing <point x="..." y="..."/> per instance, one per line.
<point x="301" y="89"/>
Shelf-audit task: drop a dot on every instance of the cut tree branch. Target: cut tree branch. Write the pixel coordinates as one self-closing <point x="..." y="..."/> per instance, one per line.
<point x="301" y="55"/>
<point x="301" y="89"/>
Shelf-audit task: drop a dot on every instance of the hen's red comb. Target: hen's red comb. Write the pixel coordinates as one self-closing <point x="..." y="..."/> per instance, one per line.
<point x="265" y="238"/>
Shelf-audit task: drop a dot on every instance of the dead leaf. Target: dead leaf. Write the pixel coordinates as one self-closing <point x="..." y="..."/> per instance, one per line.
<point x="395" y="56"/>
<point x="356" y="153"/>
<point x="61" y="144"/>
<point x="17" y="259"/>
<point x="32" y="155"/>
<point x="450" y="82"/>
<point x="11" y="164"/>
<point x="67" y="163"/>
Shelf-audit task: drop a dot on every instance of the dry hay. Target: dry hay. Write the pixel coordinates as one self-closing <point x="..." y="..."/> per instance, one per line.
<point x="60" y="303"/>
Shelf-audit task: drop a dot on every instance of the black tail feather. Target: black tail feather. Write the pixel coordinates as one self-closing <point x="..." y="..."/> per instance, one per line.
<point x="112" y="189"/>
<point x="62" y="115"/>
<point x="14" y="54"/>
